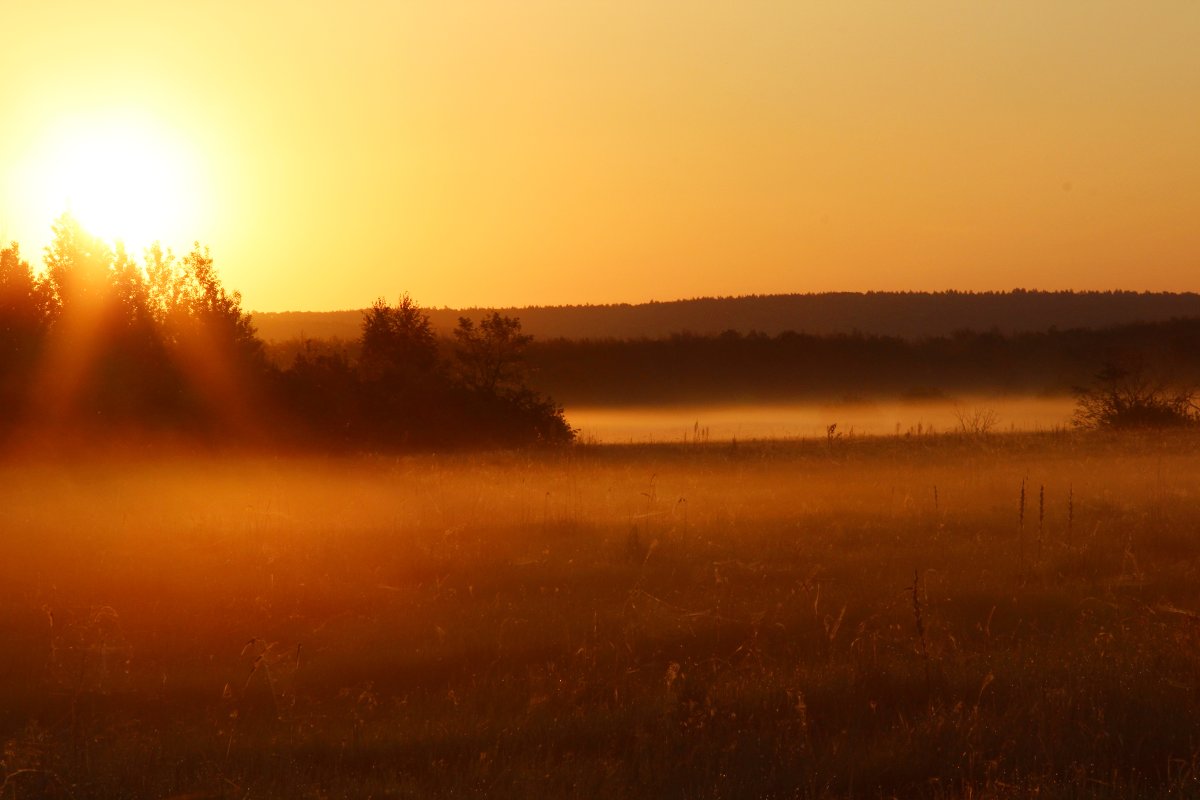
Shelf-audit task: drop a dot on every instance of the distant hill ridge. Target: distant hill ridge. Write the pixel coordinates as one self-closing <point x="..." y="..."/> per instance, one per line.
<point x="911" y="315"/>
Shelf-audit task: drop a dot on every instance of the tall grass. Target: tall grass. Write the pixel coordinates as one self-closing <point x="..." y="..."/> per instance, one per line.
<point x="565" y="624"/>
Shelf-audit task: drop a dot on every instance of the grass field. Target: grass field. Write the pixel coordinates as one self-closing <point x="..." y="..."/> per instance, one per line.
<point x="867" y="617"/>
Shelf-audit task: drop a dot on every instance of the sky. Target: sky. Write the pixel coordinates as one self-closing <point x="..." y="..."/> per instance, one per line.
<point x="542" y="152"/>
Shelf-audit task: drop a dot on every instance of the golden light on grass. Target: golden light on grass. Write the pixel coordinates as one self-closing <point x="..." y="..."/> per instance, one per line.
<point x="124" y="178"/>
<point x="524" y="622"/>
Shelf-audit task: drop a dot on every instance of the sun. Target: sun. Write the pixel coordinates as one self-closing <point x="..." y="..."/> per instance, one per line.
<point x="123" y="180"/>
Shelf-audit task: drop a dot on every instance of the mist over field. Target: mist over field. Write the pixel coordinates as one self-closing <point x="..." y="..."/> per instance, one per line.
<point x="638" y="400"/>
<point x="926" y="616"/>
<point x="897" y="417"/>
<point x="739" y="565"/>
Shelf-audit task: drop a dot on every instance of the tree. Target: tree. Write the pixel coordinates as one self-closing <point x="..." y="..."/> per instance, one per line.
<point x="166" y="343"/>
<point x="1135" y="397"/>
<point x="491" y="355"/>
<point x="322" y="391"/>
<point x="397" y="342"/>
<point x="192" y="309"/>
<point x="77" y="265"/>
<point x="102" y="343"/>
<point x="128" y="289"/>
<point x="24" y="320"/>
<point x="162" y="286"/>
<point x="216" y="312"/>
<point x="25" y="300"/>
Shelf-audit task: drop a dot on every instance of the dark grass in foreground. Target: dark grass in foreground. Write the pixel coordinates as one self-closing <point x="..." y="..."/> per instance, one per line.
<point x="863" y="618"/>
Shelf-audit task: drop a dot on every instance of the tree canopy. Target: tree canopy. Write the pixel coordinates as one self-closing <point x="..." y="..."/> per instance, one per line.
<point x="100" y="342"/>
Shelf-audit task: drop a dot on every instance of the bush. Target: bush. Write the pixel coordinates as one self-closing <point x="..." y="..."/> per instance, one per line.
<point x="1133" y="397"/>
<point x="402" y="392"/>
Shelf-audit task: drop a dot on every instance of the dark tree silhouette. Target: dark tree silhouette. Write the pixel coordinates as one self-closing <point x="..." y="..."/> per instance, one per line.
<point x="25" y="302"/>
<point x="1135" y="396"/>
<point x="491" y="355"/>
<point x="102" y="344"/>
<point x="397" y="342"/>
<point x="492" y="367"/>
<point x="401" y="392"/>
<point x="201" y="308"/>
<point x="116" y="343"/>
<point x="25" y="309"/>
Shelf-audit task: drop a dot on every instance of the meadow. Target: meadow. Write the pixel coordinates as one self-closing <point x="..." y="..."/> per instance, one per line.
<point x="1009" y="615"/>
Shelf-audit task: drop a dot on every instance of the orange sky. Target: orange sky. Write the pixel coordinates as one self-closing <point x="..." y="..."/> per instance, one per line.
<point x="550" y="151"/>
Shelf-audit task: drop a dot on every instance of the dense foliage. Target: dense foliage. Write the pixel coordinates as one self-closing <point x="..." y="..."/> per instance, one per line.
<point x="100" y="344"/>
<point x="1160" y="360"/>
<point x="99" y="341"/>
<point x="398" y="385"/>
<point x="757" y="368"/>
<point x="1136" y="396"/>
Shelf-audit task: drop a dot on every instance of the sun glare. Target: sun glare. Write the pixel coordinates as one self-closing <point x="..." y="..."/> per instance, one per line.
<point x="122" y="181"/>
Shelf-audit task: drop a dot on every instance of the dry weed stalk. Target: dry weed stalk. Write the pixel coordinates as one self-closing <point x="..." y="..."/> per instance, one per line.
<point x="1041" y="518"/>
<point x="1021" y="530"/>
<point x="920" y="619"/>
<point x="1070" y="512"/>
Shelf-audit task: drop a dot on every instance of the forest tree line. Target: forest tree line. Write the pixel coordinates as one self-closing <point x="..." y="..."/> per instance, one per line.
<point x="755" y="368"/>
<point x="908" y="315"/>
<point x="98" y="344"/>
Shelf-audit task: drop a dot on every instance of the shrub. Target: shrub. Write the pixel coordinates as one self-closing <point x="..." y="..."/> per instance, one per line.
<point x="1134" y="397"/>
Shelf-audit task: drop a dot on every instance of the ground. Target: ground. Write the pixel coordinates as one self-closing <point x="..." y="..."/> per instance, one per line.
<point x="861" y="617"/>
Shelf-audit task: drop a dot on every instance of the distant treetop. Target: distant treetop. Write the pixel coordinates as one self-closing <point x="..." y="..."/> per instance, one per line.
<point x="910" y="315"/>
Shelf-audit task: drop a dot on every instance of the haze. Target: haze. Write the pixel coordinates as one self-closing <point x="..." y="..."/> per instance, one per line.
<point x="733" y="422"/>
<point x="547" y="152"/>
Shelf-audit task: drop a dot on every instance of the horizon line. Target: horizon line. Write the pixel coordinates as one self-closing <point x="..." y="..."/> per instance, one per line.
<point x="755" y="296"/>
